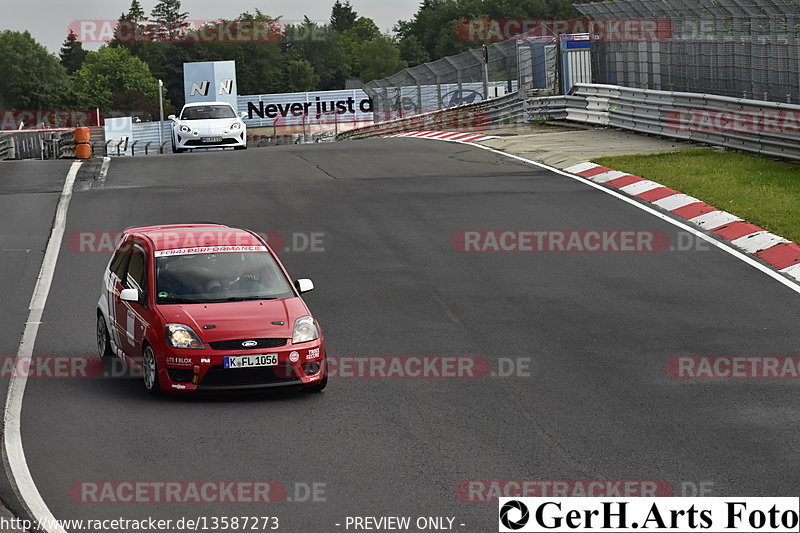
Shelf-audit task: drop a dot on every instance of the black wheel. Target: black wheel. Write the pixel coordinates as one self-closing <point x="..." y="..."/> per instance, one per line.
<point x="103" y="340"/>
<point x="175" y="149"/>
<point x="240" y="147"/>
<point x="150" y="371"/>
<point x="318" y="386"/>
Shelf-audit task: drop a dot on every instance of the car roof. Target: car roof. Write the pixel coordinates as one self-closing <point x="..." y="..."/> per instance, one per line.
<point x="199" y="104"/>
<point x="176" y="236"/>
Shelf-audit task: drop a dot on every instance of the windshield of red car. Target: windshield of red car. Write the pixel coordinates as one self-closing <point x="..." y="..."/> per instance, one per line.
<point x="220" y="277"/>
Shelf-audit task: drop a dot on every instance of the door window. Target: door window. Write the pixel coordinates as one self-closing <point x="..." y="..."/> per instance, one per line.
<point x="136" y="276"/>
<point x="120" y="261"/>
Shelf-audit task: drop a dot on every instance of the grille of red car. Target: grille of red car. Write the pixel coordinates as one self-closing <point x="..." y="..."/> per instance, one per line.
<point x="217" y="376"/>
<point x="239" y="344"/>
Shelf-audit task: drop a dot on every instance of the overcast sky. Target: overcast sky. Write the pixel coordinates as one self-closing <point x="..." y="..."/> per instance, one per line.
<point x="47" y="20"/>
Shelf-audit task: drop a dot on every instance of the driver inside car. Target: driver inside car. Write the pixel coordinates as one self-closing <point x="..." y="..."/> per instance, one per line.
<point x="231" y="271"/>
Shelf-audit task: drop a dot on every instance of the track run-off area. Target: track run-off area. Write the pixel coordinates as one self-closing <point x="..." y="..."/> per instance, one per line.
<point x="575" y="380"/>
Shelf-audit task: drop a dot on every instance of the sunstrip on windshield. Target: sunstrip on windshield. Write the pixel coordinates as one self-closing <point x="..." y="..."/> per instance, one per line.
<point x="210" y="250"/>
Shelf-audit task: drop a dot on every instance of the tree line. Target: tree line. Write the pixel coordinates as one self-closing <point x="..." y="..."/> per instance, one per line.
<point x="121" y="78"/>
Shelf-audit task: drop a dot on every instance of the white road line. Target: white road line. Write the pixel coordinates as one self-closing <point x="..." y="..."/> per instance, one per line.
<point x="675" y="222"/>
<point x="13" y="454"/>
<point x="104" y="169"/>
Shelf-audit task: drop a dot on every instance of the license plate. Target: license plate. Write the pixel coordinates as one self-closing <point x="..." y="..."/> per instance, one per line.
<point x="251" y="361"/>
<point x="211" y="139"/>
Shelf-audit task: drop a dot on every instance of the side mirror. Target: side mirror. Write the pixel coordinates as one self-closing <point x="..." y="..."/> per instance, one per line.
<point x="172" y="117"/>
<point x="243" y="114"/>
<point x="304" y="285"/>
<point x="129" y="295"/>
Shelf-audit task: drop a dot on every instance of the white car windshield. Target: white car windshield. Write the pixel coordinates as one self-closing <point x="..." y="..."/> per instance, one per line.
<point x="207" y="112"/>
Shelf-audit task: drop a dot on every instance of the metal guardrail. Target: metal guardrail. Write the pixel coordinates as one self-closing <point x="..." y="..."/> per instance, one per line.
<point x="6" y="148"/>
<point x="37" y="144"/>
<point x="761" y="127"/>
<point x="65" y="142"/>
<point x="766" y="128"/>
<point x="25" y="145"/>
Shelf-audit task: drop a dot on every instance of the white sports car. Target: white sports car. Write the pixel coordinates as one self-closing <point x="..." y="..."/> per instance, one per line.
<point x="208" y="125"/>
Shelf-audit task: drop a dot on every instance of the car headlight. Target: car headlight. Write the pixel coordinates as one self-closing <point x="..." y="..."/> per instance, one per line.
<point x="182" y="336"/>
<point x="305" y="330"/>
<point x="185" y="128"/>
<point x="236" y="126"/>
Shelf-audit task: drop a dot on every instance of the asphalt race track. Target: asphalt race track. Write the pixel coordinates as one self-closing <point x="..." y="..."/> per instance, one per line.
<point x="595" y="330"/>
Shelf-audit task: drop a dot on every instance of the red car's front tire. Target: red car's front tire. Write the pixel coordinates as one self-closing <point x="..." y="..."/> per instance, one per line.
<point x="150" y="371"/>
<point x="103" y="340"/>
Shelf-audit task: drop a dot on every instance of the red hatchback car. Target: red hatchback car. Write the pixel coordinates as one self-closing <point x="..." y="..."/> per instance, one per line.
<point x="207" y="307"/>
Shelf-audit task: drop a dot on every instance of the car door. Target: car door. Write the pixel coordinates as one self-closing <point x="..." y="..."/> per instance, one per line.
<point x="131" y="315"/>
<point x="113" y="286"/>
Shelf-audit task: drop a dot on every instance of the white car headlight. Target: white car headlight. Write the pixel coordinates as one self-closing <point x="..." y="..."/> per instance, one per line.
<point x="236" y="126"/>
<point x="185" y="128"/>
<point x="305" y="330"/>
<point x="182" y="336"/>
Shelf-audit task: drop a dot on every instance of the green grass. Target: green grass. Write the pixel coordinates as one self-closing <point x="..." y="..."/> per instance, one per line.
<point x="759" y="190"/>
